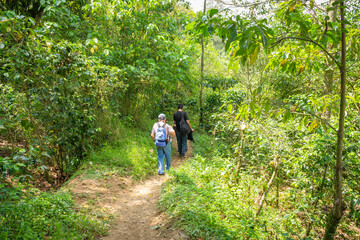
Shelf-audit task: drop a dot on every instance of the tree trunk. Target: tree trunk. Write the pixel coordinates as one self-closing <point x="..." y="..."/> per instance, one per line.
<point x="329" y="65"/>
<point x="201" y="120"/>
<point x="268" y="187"/>
<point x="336" y="213"/>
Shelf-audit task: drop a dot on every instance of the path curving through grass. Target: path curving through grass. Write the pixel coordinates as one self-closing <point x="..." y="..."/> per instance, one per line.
<point x="132" y="206"/>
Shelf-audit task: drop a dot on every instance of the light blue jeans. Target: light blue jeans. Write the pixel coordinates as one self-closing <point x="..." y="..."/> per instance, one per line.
<point x="182" y="142"/>
<point x="164" y="154"/>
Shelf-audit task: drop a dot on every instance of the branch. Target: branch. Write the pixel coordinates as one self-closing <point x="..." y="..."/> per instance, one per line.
<point x="308" y="40"/>
<point x="352" y="122"/>
<point x="357" y="61"/>
<point x="244" y="6"/>
<point x="319" y="7"/>
<point x="312" y="12"/>
<point x="263" y="197"/>
<point x="314" y="115"/>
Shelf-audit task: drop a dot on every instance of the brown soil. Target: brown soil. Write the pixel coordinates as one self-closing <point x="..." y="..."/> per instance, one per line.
<point x="6" y="147"/>
<point x="133" y="205"/>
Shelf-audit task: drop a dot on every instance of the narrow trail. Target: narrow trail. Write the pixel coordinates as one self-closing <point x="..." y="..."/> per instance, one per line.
<point x="134" y="206"/>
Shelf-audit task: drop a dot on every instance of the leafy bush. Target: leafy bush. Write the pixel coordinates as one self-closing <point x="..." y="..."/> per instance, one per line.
<point x="203" y="202"/>
<point x="61" y="73"/>
<point x="46" y="216"/>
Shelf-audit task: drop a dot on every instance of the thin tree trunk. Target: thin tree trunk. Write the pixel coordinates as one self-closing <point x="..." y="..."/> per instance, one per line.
<point x="336" y="213"/>
<point x="201" y="120"/>
<point x="329" y="71"/>
<point x="268" y="187"/>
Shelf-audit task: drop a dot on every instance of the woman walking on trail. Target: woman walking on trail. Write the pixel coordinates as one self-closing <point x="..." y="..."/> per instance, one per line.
<point x="160" y="133"/>
<point x="180" y="136"/>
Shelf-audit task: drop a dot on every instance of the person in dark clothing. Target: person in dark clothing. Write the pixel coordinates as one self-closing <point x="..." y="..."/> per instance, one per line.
<point x="181" y="138"/>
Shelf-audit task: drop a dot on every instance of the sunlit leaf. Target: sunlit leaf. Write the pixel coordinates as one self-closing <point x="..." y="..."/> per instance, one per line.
<point x="230" y="108"/>
<point x="190" y="26"/>
<point x="254" y="55"/>
<point x="301" y="69"/>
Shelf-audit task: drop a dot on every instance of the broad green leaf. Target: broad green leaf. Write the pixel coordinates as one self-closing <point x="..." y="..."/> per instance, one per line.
<point x="292" y="6"/>
<point x="210" y="28"/>
<point x="287" y="115"/>
<point x="32" y="21"/>
<point x="190" y="26"/>
<point x="204" y="18"/>
<point x="267" y="107"/>
<point x="233" y="34"/>
<point x="212" y="12"/>
<point x="311" y="4"/>
<point x="332" y="36"/>
<point x="236" y="66"/>
<point x="230" y="108"/>
<point x="268" y="65"/>
<point x="254" y="55"/>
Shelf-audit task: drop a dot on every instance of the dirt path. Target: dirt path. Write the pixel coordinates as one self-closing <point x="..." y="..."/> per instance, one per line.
<point x="134" y="206"/>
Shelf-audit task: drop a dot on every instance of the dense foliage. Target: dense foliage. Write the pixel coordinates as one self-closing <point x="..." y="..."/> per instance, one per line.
<point x="280" y="125"/>
<point x="80" y="79"/>
<point x="47" y="215"/>
<point x="80" y="65"/>
<point x="75" y="75"/>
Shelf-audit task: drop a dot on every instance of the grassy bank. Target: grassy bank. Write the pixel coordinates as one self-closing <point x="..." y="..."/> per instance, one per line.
<point x="131" y="153"/>
<point x="47" y="216"/>
<point x="30" y="214"/>
<point x="203" y="202"/>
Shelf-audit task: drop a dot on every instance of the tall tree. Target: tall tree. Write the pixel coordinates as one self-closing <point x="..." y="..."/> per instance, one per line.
<point x="329" y="65"/>
<point x="336" y="214"/>
<point x="201" y="120"/>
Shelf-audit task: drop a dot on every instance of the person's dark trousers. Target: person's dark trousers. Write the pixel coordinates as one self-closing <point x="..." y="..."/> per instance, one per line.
<point x="182" y="142"/>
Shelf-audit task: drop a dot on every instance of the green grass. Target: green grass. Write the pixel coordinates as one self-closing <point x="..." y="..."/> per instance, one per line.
<point x="47" y="216"/>
<point x="204" y="206"/>
<point x="132" y="153"/>
<point x="204" y="203"/>
<point x="203" y="145"/>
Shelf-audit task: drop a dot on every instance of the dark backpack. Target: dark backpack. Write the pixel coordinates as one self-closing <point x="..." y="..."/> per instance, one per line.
<point x="184" y="127"/>
<point x="160" y="136"/>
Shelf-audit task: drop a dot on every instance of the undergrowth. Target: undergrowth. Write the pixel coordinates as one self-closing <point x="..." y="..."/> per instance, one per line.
<point x="47" y="216"/>
<point x="130" y="153"/>
<point x="204" y="203"/>
<point x="28" y="214"/>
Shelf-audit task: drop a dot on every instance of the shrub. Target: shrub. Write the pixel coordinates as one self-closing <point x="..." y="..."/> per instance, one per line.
<point x="48" y="215"/>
